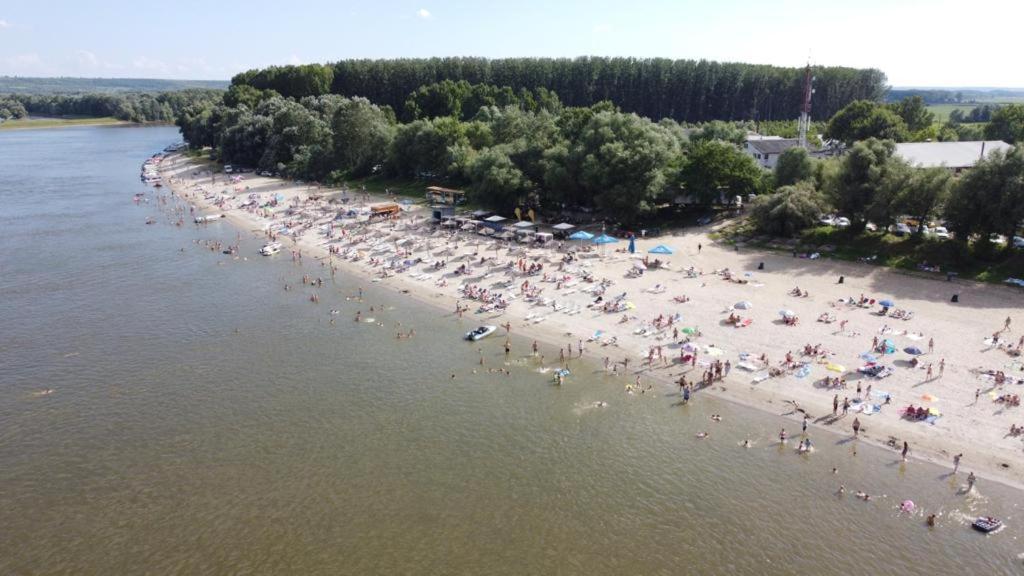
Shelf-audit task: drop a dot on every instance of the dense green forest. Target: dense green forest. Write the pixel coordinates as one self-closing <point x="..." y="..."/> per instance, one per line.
<point x="27" y="85"/>
<point x="684" y="90"/>
<point x="132" y="107"/>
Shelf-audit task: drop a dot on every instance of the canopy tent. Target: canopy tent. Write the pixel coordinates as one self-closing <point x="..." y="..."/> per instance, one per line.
<point x="563" y="226"/>
<point x="523" y="224"/>
<point x="660" y="249"/>
<point x="581" y="235"/>
<point x="495" y="219"/>
<point x="605" y="239"/>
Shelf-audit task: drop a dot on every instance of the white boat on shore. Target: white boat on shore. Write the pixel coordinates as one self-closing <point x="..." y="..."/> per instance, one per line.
<point x="210" y="218"/>
<point x="480" y="333"/>
<point x="271" y="249"/>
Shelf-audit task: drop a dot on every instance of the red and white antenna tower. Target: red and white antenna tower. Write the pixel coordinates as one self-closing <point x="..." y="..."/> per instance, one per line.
<point x="805" y="107"/>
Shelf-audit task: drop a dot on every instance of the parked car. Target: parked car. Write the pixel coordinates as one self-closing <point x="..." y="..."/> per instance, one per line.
<point x="228" y="168"/>
<point x="900" y="229"/>
<point x="265" y="173"/>
<point x="940" y="232"/>
<point x="1018" y="242"/>
<point x="871" y="227"/>
<point x="997" y="238"/>
<point x="827" y="220"/>
<point x="841" y="222"/>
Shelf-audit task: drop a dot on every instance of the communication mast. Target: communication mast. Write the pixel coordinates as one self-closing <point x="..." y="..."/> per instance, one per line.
<point x="805" y="107"/>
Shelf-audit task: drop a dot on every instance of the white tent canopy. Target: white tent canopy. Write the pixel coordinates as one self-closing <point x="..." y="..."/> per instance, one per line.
<point x="523" y="224"/>
<point x="563" y="226"/>
<point x="495" y="218"/>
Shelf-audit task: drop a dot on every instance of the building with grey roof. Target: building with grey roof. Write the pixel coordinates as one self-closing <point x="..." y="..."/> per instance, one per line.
<point x="956" y="156"/>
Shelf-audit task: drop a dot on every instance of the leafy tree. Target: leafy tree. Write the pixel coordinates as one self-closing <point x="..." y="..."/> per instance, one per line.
<point x="923" y="193"/>
<point x="421" y="148"/>
<point x="718" y="130"/>
<point x="990" y="197"/>
<point x="714" y="168"/>
<point x="863" y="119"/>
<point x="623" y="161"/>
<point x="794" y="165"/>
<point x="860" y="186"/>
<point x="495" y="180"/>
<point x="1007" y="124"/>
<point x="362" y="135"/>
<point x="914" y="113"/>
<point x="789" y="210"/>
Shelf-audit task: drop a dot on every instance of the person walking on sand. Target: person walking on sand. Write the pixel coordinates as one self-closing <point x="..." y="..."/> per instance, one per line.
<point x="856" y="427"/>
<point x="906" y="448"/>
<point x="835" y="404"/>
<point x="931" y="345"/>
<point x="928" y="373"/>
<point x="1006" y="325"/>
<point x="699" y="247"/>
<point x="970" y="481"/>
<point x="977" y="392"/>
<point x="942" y="366"/>
<point x="846" y="406"/>
<point x="956" y="462"/>
<point x="534" y="347"/>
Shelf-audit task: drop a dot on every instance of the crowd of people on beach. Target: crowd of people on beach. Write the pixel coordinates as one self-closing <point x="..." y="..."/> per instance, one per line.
<point x="548" y="280"/>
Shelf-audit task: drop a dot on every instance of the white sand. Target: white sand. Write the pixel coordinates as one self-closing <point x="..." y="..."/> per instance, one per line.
<point x="978" y="430"/>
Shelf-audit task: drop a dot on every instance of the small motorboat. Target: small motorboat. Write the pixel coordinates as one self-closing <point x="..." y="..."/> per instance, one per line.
<point x="271" y="249"/>
<point x="480" y="333"/>
<point x="987" y="524"/>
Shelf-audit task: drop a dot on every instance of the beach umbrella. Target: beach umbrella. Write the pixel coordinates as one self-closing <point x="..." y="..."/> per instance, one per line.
<point x="632" y="245"/>
<point x="743" y="305"/>
<point x="907" y="506"/>
<point x="563" y="226"/>
<point x="689" y="331"/>
<point x="836" y="368"/>
<point x="660" y="249"/>
<point x="605" y="239"/>
<point x="913" y="350"/>
<point x="787" y="313"/>
<point x="868" y="357"/>
<point x="581" y="235"/>
<point x="690" y="347"/>
<point x="887" y="303"/>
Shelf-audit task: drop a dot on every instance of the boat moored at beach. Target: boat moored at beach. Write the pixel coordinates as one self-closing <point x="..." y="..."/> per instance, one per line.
<point x="271" y="249"/>
<point x="480" y="333"/>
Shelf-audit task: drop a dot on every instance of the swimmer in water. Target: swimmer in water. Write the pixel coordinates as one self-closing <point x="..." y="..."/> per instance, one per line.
<point x="702" y="435"/>
<point x="841" y="491"/>
<point x="783" y="436"/>
<point x="863" y="495"/>
<point x="716" y="417"/>
<point x="746" y="443"/>
<point x="931" y="520"/>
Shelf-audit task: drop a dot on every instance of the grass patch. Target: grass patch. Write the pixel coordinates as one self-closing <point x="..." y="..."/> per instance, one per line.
<point x="32" y="123"/>
<point x="981" y="262"/>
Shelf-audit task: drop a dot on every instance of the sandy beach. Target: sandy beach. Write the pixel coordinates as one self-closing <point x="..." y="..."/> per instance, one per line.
<point x="692" y="290"/>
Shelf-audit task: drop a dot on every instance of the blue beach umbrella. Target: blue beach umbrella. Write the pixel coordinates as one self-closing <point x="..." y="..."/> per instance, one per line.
<point x="605" y="239"/>
<point x="887" y="303"/>
<point x="581" y="235"/>
<point x="913" y="350"/>
<point x="660" y="249"/>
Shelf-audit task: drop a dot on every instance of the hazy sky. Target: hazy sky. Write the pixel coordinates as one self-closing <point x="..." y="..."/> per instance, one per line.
<point x="915" y="42"/>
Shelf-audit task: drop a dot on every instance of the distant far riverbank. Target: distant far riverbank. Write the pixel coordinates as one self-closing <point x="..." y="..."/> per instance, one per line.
<point x="36" y="122"/>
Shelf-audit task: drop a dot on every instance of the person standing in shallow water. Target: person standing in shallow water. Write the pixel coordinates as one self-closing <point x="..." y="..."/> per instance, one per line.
<point x="906" y="449"/>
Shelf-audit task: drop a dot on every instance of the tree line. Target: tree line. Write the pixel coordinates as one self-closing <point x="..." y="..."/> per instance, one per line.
<point x="683" y="90"/>
<point x="910" y="120"/>
<point x="870" y="183"/>
<point x="132" y="107"/>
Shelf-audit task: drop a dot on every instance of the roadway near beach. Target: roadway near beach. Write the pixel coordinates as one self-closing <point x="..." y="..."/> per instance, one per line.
<point x="563" y="313"/>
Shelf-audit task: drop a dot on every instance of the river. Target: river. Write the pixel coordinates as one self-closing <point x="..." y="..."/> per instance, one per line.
<point x="203" y="420"/>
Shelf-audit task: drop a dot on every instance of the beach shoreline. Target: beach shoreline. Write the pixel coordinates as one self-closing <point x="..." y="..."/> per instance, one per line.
<point x="978" y="430"/>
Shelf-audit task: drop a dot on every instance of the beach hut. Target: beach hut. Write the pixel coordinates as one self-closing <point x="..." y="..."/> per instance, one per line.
<point x="448" y="196"/>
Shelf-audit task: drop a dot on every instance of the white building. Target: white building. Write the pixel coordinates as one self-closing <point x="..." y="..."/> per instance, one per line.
<point x="767" y="149"/>
<point x="956" y="156"/>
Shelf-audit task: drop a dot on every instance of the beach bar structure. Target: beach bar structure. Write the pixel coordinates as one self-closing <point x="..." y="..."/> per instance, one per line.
<point x="446" y="196"/>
